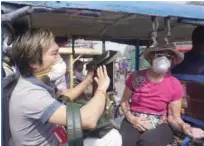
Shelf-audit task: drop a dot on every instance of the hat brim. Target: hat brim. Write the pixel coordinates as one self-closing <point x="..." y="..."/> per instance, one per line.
<point x="179" y="56"/>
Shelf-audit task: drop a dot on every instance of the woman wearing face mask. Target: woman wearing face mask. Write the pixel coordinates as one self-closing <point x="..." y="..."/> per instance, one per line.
<point x="152" y="101"/>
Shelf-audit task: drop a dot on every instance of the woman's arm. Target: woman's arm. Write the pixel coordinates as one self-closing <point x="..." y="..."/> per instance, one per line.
<point x="174" y="119"/>
<point x="125" y="103"/>
<point x="174" y="115"/>
<point x="75" y="92"/>
<point x="137" y="122"/>
<point x="126" y="106"/>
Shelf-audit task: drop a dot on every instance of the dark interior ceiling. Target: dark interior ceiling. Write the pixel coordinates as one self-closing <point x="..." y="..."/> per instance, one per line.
<point x="111" y="26"/>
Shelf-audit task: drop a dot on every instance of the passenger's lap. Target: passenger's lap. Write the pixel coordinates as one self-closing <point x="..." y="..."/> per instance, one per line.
<point x="160" y="136"/>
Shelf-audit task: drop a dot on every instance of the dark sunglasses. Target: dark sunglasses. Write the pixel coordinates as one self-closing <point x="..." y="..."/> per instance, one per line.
<point x="169" y="55"/>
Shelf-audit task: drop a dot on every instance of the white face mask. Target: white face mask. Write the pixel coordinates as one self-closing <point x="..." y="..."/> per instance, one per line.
<point x="161" y="65"/>
<point x="58" y="70"/>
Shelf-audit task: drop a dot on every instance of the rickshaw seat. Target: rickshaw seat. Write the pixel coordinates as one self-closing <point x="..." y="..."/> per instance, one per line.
<point x="9" y="84"/>
<point x="195" y="99"/>
<point x="194" y="85"/>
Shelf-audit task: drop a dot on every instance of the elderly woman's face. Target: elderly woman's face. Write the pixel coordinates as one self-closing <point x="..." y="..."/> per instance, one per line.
<point x="162" y="61"/>
<point x="168" y="54"/>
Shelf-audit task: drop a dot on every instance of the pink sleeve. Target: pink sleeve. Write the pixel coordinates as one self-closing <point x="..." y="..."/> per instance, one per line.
<point x="128" y="82"/>
<point x="178" y="90"/>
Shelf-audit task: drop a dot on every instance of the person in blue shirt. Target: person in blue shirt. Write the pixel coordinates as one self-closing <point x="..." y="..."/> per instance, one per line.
<point x="124" y="66"/>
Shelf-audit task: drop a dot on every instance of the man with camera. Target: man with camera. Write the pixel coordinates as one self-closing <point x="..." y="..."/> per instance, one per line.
<point x="34" y="111"/>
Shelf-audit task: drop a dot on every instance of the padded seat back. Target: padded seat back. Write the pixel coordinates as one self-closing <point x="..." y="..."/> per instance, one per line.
<point x="9" y="84"/>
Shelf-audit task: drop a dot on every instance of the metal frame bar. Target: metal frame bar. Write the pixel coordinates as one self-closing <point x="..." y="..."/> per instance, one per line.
<point x="191" y="21"/>
<point x="71" y="65"/>
<point x="137" y="55"/>
<point x="28" y="10"/>
<point x="163" y="9"/>
<point x="103" y="46"/>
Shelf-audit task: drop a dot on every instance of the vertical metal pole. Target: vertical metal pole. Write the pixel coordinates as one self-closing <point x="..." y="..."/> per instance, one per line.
<point x="71" y="72"/>
<point x="137" y="55"/>
<point x="3" y="125"/>
<point x="103" y="46"/>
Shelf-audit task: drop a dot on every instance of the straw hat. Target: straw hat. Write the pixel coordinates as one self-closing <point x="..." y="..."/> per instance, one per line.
<point x="179" y="56"/>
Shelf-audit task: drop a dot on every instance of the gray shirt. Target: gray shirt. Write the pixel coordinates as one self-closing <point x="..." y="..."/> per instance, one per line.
<point x="31" y="105"/>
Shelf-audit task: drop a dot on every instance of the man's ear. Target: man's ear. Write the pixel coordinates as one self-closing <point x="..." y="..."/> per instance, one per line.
<point x="33" y="66"/>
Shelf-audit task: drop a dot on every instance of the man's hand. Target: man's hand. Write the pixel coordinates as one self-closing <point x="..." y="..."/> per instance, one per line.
<point x="195" y="133"/>
<point x="140" y="123"/>
<point x="102" y="79"/>
<point x="90" y="76"/>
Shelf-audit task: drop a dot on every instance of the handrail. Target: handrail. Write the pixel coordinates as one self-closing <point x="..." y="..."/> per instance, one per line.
<point x="195" y="122"/>
<point x="187" y="77"/>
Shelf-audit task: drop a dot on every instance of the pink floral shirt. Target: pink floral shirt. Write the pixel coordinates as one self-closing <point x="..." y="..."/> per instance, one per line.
<point x="153" y="98"/>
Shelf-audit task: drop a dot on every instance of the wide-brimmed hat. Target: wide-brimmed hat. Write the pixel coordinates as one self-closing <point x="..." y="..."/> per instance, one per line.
<point x="178" y="56"/>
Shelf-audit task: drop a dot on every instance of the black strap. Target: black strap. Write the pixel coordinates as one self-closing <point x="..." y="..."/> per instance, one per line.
<point x="74" y="128"/>
<point x="78" y="127"/>
<point x="70" y="124"/>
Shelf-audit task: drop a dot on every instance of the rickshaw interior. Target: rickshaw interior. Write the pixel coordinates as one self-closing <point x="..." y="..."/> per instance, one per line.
<point x="131" y="23"/>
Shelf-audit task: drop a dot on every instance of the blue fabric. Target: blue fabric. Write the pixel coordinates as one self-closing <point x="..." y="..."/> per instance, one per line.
<point x="195" y="122"/>
<point x="186" y="141"/>
<point x="50" y="111"/>
<point x="163" y="9"/>
<point x="193" y="78"/>
<point x="124" y="65"/>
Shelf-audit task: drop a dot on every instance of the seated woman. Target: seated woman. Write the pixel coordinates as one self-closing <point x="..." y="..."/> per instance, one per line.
<point x="155" y="105"/>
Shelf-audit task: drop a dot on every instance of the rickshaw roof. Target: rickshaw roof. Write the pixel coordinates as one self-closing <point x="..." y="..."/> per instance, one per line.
<point x="122" y="22"/>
